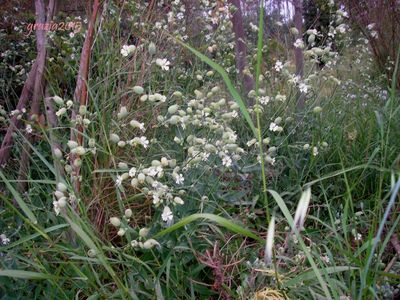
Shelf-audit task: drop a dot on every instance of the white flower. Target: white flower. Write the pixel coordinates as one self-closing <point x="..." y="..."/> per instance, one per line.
<point x="144" y="141"/>
<point x="227" y="161"/>
<point x="178" y="200"/>
<point x="299" y="44"/>
<point x="315" y="151"/>
<point x="136" y="124"/>
<point x="325" y="259"/>
<point x="280" y="97"/>
<point x="56" y="207"/>
<point x="163" y="63"/>
<point x="139" y="141"/>
<point x="29" y="129"/>
<point x="273" y="127"/>
<point x="118" y="181"/>
<point x="251" y="142"/>
<point x="4" y="239"/>
<point x="179" y="179"/>
<point x="278" y="66"/>
<point x="167" y="214"/>
<point x="303" y="88"/>
<point x="358" y="237"/>
<point x="264" y="100"/>
<point x="132" y="172"/>
<point x="126" y="50"/>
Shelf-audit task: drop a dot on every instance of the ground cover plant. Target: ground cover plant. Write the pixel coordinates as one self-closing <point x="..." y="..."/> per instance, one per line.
<point x="195" y="149"/>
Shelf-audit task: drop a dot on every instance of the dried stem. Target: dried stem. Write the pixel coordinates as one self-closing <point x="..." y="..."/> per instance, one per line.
<point x="80" y="95"/>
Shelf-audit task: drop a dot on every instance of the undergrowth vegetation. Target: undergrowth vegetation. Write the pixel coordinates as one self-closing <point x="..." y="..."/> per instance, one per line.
<point x="175" y="182"/>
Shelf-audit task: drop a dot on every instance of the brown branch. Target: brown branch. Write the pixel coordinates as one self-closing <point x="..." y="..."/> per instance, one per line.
<point x="241" y="50"/>
<point x="15" y="123"/>
<point x="41" y="42"/>
<point x="80" y="95"/>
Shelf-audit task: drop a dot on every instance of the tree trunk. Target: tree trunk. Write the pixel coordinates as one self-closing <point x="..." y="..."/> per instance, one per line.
<point x="193" y="21"/>
<point x="298" y="52"/>
<point x="241" y="51"/>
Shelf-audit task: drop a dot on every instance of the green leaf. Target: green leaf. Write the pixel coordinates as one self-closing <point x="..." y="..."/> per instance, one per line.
<point x="25" y="274"/>
<point x="309" y="275"/>
<point x="278" y="199"/>
<point x="217" y="219"/>
<point x="33" y="236"/>
<point x="19" y="199"/>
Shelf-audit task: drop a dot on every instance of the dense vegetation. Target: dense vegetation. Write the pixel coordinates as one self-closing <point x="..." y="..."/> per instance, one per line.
<point x="199" y="150"/>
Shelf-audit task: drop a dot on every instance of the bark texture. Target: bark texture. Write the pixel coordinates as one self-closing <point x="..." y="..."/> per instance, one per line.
<point x="241" y="51"/>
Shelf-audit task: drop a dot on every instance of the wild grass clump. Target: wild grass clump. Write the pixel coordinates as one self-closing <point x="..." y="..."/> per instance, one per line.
<point x="174" y="182"/>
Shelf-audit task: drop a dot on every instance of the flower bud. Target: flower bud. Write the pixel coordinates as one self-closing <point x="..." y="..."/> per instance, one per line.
<point x="57" y="153"/>
<point x="128" y="213"/>
<point x="178" y="200"/>
<point x="61" y="111"/>
<point x="61" y="187"/>
<point x="62" y="202"/>
<point x="152" y="48"/>
<point x="173" y="109"/>
<point x="150" y="244"/>
<point x="115" y="221"/>
<point x="144" y="232"/>
<point x="138" y="90"/>
<point x="164" y="161"/>
<point x="82" y="110"/>
<point x="317" y="109"/>
<point x="58" y="100"/>
<point x="121" y="231"/>
<point x="141" y="178"/>
<point x="72" y="144"/>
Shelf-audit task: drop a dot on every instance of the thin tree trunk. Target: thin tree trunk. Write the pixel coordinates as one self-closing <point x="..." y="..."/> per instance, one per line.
<point x="193" y="21"/>
<point x="41" y="42"/>
<point x="241" y="51"/>
<point x="80" y="95"/>
<point x="15" y="123"/>
<point x="298" y="52"/>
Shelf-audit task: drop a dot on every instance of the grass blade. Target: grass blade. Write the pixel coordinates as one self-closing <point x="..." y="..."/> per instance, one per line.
<point x="217" y="219"/>
<point x="290" y="220"/>
<point x="19" y="199"/>
<point x="20" y="274"/>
